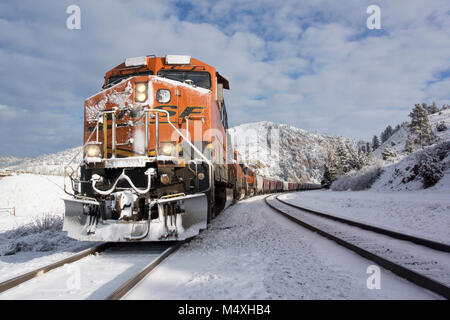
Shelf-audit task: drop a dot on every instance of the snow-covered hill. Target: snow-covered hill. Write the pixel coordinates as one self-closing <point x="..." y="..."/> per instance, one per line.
<point x="50" y="164"/>
<point x="10" y="161"/>
<point x="428" y="167"/>
<point x="397" y="141"/>
<point x="282" y="151"/>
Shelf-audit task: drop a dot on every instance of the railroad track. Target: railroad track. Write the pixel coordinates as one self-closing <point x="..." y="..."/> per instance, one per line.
<point x="18" y="280"/>
<point x="113" y="286"/>
<point x="421" y="261"/>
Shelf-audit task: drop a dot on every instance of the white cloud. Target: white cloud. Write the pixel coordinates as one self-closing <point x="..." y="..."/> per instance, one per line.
<point x="310" y="64"/>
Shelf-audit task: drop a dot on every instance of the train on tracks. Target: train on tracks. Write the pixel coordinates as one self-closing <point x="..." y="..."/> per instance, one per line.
<point x="157" y="159"/>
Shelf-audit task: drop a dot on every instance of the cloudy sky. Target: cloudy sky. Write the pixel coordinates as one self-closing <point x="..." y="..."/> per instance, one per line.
<point x="312" y="64"/>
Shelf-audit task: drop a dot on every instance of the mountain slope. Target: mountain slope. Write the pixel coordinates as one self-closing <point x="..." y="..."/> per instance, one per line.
<point x="282" y="151"/>
<point x="49" y="164"/>
<point x="426" y="168"/>
<point x="397" y="141"/>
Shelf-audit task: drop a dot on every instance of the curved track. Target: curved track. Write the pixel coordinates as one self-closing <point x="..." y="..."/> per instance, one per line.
<point x="428" y="268"/>
<point x="425" y="242"/>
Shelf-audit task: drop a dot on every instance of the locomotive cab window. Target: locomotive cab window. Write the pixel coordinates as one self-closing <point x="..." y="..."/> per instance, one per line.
<point x="198" y="78"/>
<point x="116" y="79"/>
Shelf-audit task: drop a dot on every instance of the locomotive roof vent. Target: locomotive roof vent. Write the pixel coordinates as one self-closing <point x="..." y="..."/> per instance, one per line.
<point x="177" y="59"/>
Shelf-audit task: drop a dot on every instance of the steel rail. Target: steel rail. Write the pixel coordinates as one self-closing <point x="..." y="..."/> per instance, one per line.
<point x="393" y="234"/>
<point x="14" y="282"/>
<point x="397" y="269"/>
<point x="132" y="282"/>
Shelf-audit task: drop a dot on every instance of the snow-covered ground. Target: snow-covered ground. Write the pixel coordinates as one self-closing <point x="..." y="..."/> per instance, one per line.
<point x="251" y="252"/>
<point x="424" y="213"/>
<point x="33" y="237"/>
<point x="248" y="252"/>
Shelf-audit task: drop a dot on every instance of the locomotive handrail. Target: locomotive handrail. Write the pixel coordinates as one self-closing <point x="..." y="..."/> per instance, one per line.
<point x="178" y="131"/>
<point x="147" y="110"/>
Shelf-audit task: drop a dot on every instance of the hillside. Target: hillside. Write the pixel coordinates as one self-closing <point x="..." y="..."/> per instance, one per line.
<point x="10" y="161"/>
<point x="426" y="168"/>
<point x="397" y="141"/>
<point x="49" y="164"/>
<point x="282" y="151"/>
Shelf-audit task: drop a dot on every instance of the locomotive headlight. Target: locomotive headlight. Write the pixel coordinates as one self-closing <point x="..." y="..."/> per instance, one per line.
<point x="165" y="179"/>
<point x="141" y="97"/>
<point x="141" y="92"/>
<point x="140" y="87"/>
<point x="93" y="151"/>
<point x="167" y="149"/>
<point x="163" y="96"/>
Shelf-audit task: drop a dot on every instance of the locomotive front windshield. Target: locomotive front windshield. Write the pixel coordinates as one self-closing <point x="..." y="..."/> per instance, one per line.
<point x="198" y="78"/>
<point x="116" y="79"/>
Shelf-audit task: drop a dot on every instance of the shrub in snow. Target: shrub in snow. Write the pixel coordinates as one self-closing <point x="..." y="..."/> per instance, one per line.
<point x="430" y="170"/>
<point x="431" y="166"/>
<point x="358" y="180"/>
<point x="441" y="126"/>
<point x="42" y="234"/>
<point x="388" y="153"/>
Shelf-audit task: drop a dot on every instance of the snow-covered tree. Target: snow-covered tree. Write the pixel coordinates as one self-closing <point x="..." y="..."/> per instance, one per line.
<point x="433" y="108"/>
<point x="420" y="125"/>
<point x="386" y="134"/>
<point x="368" y="148"/>
<point x="327" y="179"/>
<point x="375" y="142"/>
<point x="409" y="144"/>
<point x="388" y="153"/>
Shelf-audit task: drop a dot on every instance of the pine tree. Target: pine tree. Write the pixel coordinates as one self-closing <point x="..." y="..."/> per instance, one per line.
<point x="386" y="134"/>
<point x="327" y="179"/>
<point x="375" y="143"/>
<point x="342" y="157"/>
<point x="433" y="108"/>
<point x="368" y="148"/>
<point x="409" y="144"/>
<point x="420" y="125"/>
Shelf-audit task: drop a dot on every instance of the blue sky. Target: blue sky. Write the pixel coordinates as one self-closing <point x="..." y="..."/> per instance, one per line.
<point x="312" y="64"/>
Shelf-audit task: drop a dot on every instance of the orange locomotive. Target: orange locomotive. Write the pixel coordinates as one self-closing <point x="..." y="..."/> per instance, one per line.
<point x="155" y="153"/>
